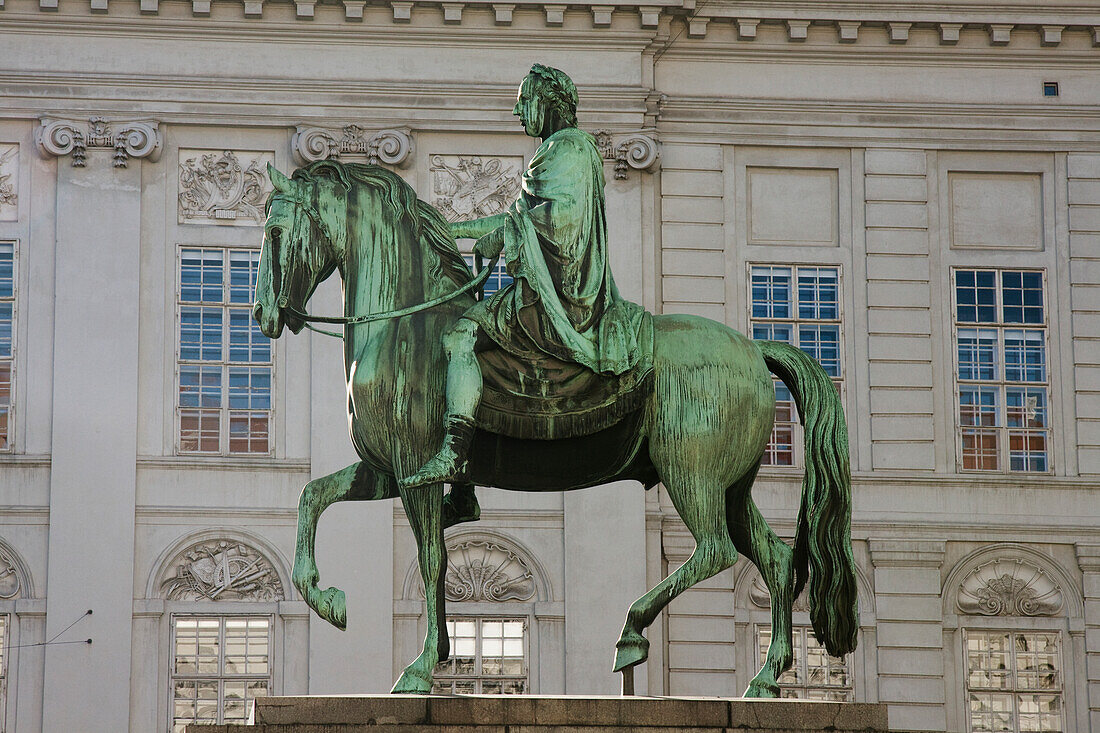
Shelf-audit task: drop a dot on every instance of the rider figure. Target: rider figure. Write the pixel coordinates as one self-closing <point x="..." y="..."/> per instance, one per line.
<point x="563" y="302"/>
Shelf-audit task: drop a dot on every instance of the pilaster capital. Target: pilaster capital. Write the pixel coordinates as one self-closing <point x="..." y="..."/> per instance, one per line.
<point x="1088" y="557"/>
<point x="390" y="146"/>
<point x="133" y="139"/>
<point x="907" y="553"/>
<point x="630" y="150"/>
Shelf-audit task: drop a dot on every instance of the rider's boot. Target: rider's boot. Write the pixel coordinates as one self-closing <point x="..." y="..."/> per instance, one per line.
<point x="460" y="505"/>
<point x="450" y="461"/>
<point x="463" y="397"/>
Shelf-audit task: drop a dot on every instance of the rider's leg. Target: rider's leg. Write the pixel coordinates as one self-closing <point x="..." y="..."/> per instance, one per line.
<point x="460" y="505"/>
<point x="463" y="397"/>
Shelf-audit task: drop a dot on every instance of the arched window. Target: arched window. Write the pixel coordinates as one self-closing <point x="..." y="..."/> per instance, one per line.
<point x="492" y="589"/>
<point x="16" y="590"/>
<point x="1007" y="618"/>
<point x="222" y="616"/>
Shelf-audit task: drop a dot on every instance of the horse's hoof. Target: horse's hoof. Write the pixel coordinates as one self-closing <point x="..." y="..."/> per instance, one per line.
<point x="333" y="608"/>
<point x="630" y="650"/>
<point x="410" y="684"/>
<point x="762" y="688"/>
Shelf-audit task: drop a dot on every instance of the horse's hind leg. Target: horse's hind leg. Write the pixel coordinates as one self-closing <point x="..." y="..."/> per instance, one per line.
<point x="424" y="507"/>
<point x="356" y="482"/>
<point x="701" y="504"/>
<point x="775" y="560"/>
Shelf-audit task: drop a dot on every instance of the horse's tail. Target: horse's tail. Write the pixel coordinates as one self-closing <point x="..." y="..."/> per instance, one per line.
<point x="823" y="546"/>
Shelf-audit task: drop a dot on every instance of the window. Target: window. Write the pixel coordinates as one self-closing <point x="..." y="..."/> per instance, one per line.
<point x="1013" y="681"/>
<point x="1001" y="349"/>
<point x="225" y="360"/>
<point x="220" y="664"/>
<point x="7" y="322"/>
<point x="814" y="675"/>
<point x="488" y="655"/>
<point x="801" y="306"/>
<point x="497" y="280"/>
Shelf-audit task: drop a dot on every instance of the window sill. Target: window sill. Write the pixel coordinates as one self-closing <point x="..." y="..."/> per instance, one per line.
<point x="222" y="463"/>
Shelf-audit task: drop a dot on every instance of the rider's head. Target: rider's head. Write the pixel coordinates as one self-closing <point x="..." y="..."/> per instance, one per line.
<point x="547" y="101"/>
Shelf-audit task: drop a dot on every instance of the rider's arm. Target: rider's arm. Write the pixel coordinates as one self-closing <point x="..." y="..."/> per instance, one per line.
<point x="490" y="245"/>
<point x="477" y="228"/>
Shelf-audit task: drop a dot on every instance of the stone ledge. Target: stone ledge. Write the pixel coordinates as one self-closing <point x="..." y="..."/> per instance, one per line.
<point x="544" y="714"/>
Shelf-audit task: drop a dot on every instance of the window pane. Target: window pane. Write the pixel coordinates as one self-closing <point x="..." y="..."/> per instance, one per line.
<point x="818" y="293"/>
<point x="7" y="270"/>
<point x="243" y="268"/>
<point x="823" y="344"/>
<point x="201" y="276"/>
<point x="200" y="334"/>
<point x="771" y="292"/>
<point x="976" y="296"/>
<point x="1025" y="356"/>
<point x="977" y="354"/>
<point x="773" y="332"/>
<point x="247" y="342"/>
<point x="1022" y="294"/>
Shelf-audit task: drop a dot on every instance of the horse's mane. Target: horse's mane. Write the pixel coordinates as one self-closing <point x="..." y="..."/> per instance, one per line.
<point x="431" y="227"/>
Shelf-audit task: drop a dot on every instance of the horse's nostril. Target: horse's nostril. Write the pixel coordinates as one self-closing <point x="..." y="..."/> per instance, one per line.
<point x="257" y="311"/>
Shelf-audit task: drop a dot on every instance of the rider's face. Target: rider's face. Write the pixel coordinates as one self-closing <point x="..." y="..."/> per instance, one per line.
<point x="529" y="107"/>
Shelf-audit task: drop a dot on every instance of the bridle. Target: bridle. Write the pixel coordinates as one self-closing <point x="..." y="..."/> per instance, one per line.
<point x="283" y="301"/>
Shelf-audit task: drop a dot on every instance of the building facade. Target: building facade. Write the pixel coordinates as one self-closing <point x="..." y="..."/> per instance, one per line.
<point x="910" y="193"/>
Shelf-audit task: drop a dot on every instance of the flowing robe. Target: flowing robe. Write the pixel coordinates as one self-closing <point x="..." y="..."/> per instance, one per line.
<point x="563" y="302"/>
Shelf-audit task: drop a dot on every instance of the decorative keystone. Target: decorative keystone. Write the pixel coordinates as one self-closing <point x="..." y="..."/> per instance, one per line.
<point x="128" y="139"/>
<point x="636" y="150"/>
<point x="391" y="147"/>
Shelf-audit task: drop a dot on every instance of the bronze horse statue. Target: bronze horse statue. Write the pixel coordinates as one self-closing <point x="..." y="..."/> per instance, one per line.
<point x="701" y="430"/>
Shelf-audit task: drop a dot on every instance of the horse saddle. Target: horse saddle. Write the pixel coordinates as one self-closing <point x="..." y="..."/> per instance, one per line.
<point x="550" y="399"/>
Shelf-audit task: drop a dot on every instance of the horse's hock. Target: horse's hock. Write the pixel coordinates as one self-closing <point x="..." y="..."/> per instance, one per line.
<point x="535" y="714"/>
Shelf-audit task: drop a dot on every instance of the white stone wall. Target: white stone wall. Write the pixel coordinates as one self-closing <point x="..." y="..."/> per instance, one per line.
<point x="894" y="143"/>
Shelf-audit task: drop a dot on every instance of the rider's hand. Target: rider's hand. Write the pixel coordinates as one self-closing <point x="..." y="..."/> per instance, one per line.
<point x="491" y="244"/>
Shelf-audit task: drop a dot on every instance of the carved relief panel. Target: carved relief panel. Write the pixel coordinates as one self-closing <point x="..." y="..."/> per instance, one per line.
<point x="469" y="186"/>
<point x="1009" y="587"/>
<point x="9" y="181"/>
<point x="223" y="186"/>
<point x="222" y="570"/>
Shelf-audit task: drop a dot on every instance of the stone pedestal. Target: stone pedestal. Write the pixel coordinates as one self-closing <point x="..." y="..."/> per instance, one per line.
<point x="528" y="714"/>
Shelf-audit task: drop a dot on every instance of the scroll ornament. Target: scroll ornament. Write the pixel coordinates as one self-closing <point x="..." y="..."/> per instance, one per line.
<point x="11" y="584"/>
<point x="638" y="151"/>
<point x="127" y="139"/>
<point x="222" y="570"/>
<point x="1009" y="587"/>
<point x="483" y="570"/>
<point x="391" y="147"/>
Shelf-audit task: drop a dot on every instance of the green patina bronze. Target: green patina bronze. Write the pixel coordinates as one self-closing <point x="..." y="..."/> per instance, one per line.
<point x="554" y="383"/>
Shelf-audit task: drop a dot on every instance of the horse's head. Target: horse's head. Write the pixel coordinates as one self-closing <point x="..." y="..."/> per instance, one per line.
<point x="298" y="252"/>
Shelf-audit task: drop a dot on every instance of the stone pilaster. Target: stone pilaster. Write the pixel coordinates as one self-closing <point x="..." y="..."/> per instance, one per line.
<point x="1088" y="558"/>
<point x="910" y="631"/>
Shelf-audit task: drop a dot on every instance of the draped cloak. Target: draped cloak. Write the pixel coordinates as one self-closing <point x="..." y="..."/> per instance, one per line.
<point x="562" y="310"/>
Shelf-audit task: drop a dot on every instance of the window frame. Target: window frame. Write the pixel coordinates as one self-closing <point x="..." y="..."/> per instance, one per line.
<point x="222" y="615"/>
<point x="479" y="678"/>
<point x="1004" y="459"/>
<point x="797" y="438"/>
<point x="9" y="448"/>
<point x="997" y="627"/>
<point x="223" y="434"/>
<point x="805" y="632"/>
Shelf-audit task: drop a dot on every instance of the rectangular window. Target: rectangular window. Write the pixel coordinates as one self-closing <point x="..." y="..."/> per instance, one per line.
<point x="497" y="280"/>
<point x="220" y="664"/>
<point x="799" y="305"/>
<point x="488" y="655"/>
<point x="225" y="361"/>
<point x="814" y="675"/>
<point x="1002" y="375"/>
<point x="7" y="331"/>
<point x="1014" y="681"/>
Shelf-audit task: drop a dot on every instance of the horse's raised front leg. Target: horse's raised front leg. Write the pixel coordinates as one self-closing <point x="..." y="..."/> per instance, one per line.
<point x="357" y="482"/>
<point x="424" y="507"/>
<point x="775" y="560"/>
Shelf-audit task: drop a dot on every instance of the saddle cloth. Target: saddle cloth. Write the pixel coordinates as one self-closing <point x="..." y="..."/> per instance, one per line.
<point x="549" y="399"/>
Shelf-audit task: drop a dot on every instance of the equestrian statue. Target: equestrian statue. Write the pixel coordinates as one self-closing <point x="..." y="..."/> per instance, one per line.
<point x="553" y="383"/>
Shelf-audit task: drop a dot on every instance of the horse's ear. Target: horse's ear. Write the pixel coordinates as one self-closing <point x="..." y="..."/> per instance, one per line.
<point x="278" y="180"/>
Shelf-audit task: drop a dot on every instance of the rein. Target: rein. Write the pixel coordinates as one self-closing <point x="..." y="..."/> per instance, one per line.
<point x="476" y="283"/>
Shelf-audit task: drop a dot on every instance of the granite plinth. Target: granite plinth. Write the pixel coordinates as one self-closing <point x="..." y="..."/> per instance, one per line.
<point x="559" y="714"/>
